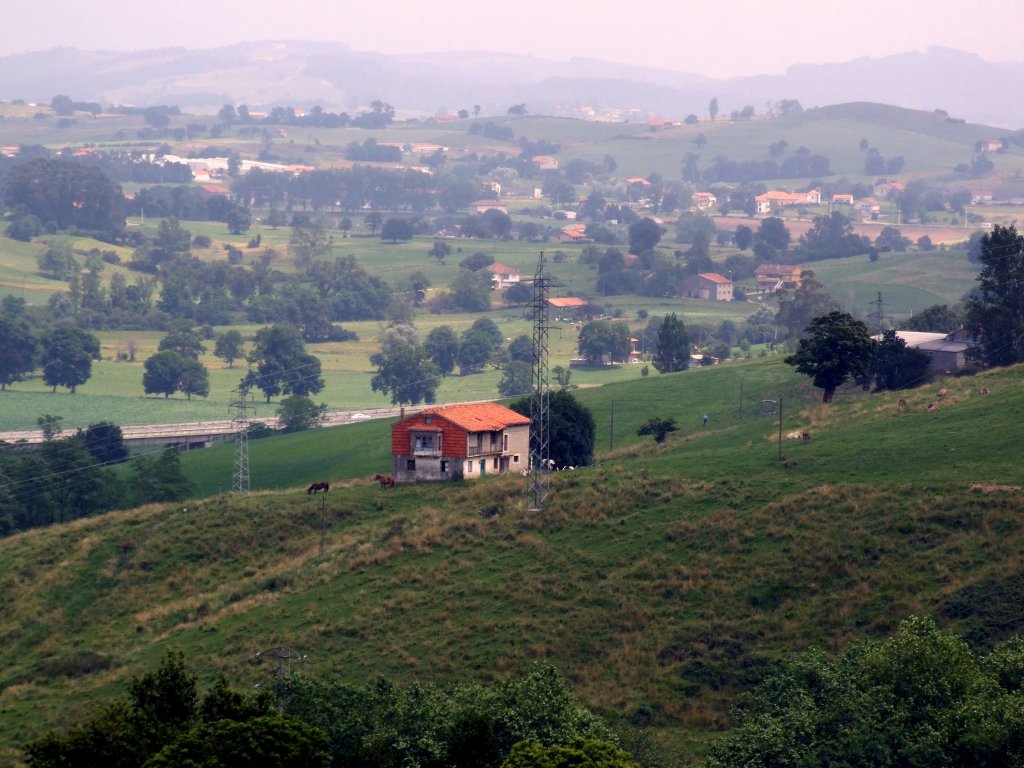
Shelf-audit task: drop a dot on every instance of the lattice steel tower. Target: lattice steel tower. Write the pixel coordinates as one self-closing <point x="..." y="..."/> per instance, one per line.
<point x="240" y="421"/>
<point x="538" y="480"/>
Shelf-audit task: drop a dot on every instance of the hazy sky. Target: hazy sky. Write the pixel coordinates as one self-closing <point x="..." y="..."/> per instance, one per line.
<point x="720" y="39"/>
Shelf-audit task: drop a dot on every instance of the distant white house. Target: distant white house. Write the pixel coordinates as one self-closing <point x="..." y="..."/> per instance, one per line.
<point x="503" y="275"/>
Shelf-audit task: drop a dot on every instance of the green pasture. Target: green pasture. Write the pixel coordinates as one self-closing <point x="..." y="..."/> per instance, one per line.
<point x="685" y="571"/>
<point x="908" y="282"/>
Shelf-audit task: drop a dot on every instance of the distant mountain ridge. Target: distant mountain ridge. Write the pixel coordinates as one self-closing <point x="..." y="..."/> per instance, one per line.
<point x="333" y="75"/>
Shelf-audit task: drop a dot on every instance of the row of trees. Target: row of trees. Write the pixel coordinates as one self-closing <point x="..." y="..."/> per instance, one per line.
<point x="64" y="354"/>
<point x="67" y="478"/>
<point x="531" y="720"/>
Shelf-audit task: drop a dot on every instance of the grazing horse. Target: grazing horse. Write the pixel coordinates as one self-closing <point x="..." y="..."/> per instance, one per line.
<point x="903" y="405"/>
<point x="325" y="487"/>
<point x="941" y="394"/>
<point x="386" y="481"/>
<point x="932" y="408"/>
<point x="984" y="391"/>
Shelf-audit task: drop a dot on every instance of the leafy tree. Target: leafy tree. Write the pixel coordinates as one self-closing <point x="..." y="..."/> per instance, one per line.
<point x="658" y="426"/>
<point x="563" y="377"/>
<point x="644" y="236"/>
<point x="673" y="346"/>
<point x="105" y="442"/>
<point x="743" y="237"/>
<point x="66" y="193"/>
<point x="579" y="753"/>
<point x="477" y="261"/>
<point x="471" y="291"/>
<point x="600" y="339"/>
<point x="773" y="233"/>
<point x="395" y="229"/>
<point x="271" y="740"/>
<point x="476" y="347"/>
<point x="938" y="318"/>
<point x="25" y="227"/>
<point x="309" y="243"/>
<point x="169" y="371"/>
<point x="58" y="262"/>
<point x="897" y="366"/>
<point x="159" y="479"/>
<point x="518" y="293"/>
<point x="238" y="220"/>
<point x="194" y="379"/>
<point x="440" y="250"/>
<point x="890" y="239"/>
<point x="835" y="347"/>
<point x="408" y="375"/>
<point x="183" y="339"/>
<point x="488" y="326"/>
<point x="995" y="310"/>
<point x="229" y="347"/>
<point x="67" y="357"/>
<point x="298" y="413"/>
<point x="713" y="108"/>
<point x="282" y="365"/>
<point x="521" y="349"/>
<point x="917" y="698"/>
<point x="572" y="429"/>
<point x="516" y="379"/>
<point x="19" y="348"/>
<point x="442" y="346"/>
<point x="832" y="237"/>
<point x="799" y="307"/>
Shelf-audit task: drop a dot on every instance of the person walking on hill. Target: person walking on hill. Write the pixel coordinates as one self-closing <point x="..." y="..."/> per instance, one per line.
<point x="705" y="419"/>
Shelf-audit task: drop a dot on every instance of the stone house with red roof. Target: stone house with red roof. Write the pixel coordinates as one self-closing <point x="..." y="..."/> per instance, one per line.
<point x="459" y="442"/>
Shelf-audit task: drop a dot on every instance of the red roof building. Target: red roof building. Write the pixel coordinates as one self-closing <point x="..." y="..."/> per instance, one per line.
<point x="459" y="441"/>
<point x="708" y="285"/>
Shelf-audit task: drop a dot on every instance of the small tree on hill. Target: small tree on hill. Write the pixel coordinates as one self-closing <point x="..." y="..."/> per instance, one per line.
<point x="658" y="426"/>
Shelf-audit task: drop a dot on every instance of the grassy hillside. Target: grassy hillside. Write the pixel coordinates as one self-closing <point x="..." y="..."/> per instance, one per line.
<point x="662" y="581"/>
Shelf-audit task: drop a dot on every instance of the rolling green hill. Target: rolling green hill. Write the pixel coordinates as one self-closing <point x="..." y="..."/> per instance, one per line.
<point x="662" y="581"/>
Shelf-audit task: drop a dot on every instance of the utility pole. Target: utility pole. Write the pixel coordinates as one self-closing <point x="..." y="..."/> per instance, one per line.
<point x="240" y="421"/>
<point x="538" y="480"/>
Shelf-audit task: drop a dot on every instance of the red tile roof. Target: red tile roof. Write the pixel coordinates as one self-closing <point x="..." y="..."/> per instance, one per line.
<point x="567" y="301"/>
<point x="478" y="417"/>
<point x="501" y="269"/>
<point x="714" y="277"/>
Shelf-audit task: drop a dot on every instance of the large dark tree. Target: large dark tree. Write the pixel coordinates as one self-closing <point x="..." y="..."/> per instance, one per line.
<point x="604" y="340"/>
<point x="67" y="357"/>
<point x="897" y="366"/>
<point x="105" y="441"/>
<point x="228" y="347"/>
<point x="673" y="351"/>
<point x="283" y="366"/>
<point x="644" y="235"/>
<point x="442" y="345"/>
<point x="18" y="350"/>
<point x="835" y="347"/>
<point x="995" y="312"/>
<point x="66" y="193"/>
<point x="572" y="429"/>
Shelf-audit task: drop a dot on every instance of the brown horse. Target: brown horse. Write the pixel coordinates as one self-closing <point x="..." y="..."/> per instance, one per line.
<point x="325" y="487"/>
<point x="386" y="481"/>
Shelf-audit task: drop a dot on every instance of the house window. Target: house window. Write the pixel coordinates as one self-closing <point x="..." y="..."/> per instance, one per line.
<point x="469" y="466"/>
<point x="428" y="419"/>
<point x="425" y="442"/>
<point x="504" y="443"/>
<point x="444" y="466"/>
<point x="515" y="459"/>
<point x="410" y="465"/>
<point x="495" y="462"/>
